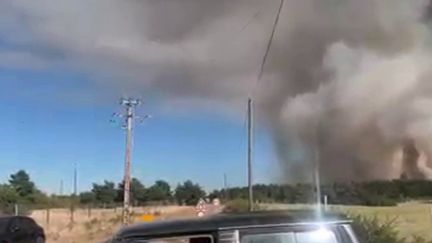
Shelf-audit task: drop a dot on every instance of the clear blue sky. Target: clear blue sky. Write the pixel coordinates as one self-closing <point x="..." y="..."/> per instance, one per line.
<point x="44" y="132"/>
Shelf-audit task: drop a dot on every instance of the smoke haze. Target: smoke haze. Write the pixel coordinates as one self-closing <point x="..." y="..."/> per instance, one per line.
<point x="348" y="81"/>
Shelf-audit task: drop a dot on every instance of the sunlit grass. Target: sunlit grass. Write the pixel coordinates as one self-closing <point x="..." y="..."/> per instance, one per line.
<point x="411" y="219"/>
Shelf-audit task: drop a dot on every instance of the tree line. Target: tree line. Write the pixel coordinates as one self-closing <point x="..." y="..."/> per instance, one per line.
<point x="107" y="193"/>
<point x="373" y="193"/>
<point x="20" y="189"/>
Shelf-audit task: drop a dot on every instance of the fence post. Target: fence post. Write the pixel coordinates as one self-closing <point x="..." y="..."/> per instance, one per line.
<point x="72" y="210"/>
<point x="47" y="217"/>
<point x="325" y="203"/>
<point x="16" y="211"/>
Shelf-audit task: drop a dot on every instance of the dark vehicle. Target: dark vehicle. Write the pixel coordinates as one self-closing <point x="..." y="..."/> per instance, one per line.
<point x="268" y="227"/>
<point x="20" y="229"/>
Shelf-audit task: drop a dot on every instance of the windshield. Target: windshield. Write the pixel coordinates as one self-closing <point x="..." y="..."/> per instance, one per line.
<point x="179" y="239"/>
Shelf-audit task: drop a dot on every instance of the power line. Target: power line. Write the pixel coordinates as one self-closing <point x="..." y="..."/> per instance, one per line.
<point x="250" y="108"/>
<point x="267" y="50"/>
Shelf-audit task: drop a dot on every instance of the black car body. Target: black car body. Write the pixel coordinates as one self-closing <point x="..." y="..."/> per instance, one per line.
<point x="20" y="229"/>
<point x="274" y="227"/>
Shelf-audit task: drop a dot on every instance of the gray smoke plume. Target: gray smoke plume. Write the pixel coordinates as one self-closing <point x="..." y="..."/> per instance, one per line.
<point x="347" y="81"/>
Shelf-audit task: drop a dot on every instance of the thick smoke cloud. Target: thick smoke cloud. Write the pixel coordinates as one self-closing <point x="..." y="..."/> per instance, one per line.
<point x="346" y="81"/>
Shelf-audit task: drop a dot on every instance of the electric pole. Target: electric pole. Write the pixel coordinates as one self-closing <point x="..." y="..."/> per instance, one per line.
<point x="317" y="180"/>
<point x="74" y="195"/>
<point x="129" y="116"/>
<point x="317" y="166"/>
<point x="249" y="152"/>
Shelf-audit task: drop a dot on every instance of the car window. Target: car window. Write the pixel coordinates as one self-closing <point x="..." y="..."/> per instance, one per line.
<point x="180" y="239"/>
<point x="312" y="236"/>
<point x="273" y="238"/>
<point x="320" y="235"/>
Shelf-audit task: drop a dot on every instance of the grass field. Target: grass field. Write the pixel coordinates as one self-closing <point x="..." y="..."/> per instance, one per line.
<point x="410" y="218"/>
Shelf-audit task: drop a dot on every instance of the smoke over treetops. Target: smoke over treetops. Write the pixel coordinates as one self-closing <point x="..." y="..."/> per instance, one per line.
<point x="349" y="80"/>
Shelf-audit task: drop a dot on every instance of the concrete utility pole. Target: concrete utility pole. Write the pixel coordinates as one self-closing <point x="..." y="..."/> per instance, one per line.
<point x="317" y="166"/>
<point x="317" y="178"/>
<point x="75" y="193"/>
<point x="249" y="152"/>
<point x="129" y="117"/>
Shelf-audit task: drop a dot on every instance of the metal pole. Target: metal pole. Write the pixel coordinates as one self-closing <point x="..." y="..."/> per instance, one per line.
<point x="249" y="153"/>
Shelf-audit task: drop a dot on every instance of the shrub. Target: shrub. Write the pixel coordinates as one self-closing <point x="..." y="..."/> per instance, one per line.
<point x="371" y="230"/>
<point x="239" y="206"/>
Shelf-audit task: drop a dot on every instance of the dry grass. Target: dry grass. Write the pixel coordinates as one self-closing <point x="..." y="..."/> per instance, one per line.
<point x="98" y="226"/>
<point x="410" y="218"/>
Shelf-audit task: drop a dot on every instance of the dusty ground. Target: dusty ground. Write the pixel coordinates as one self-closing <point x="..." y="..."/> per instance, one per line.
<point x="410" y="218"/>
<point x="100" y="224"/>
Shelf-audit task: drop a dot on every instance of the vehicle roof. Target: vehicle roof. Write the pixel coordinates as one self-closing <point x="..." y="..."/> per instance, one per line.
<point x="229" y="221"/>
<point x="13" y="217"/>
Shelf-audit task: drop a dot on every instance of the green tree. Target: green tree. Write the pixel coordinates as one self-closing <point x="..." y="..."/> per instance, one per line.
<point x="188" y="193"/>
<point x="8" y="197"/>
<point x="87" y="197"/>
<point x="137" y="192"/>
<point x="21" y="182"/>
<point x="160" y="191"/>
<point x="105" y="193"/>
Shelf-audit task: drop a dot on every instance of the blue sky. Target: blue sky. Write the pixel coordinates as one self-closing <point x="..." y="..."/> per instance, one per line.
<point x="63" y="69"/>
<point x="45" y="134"/>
